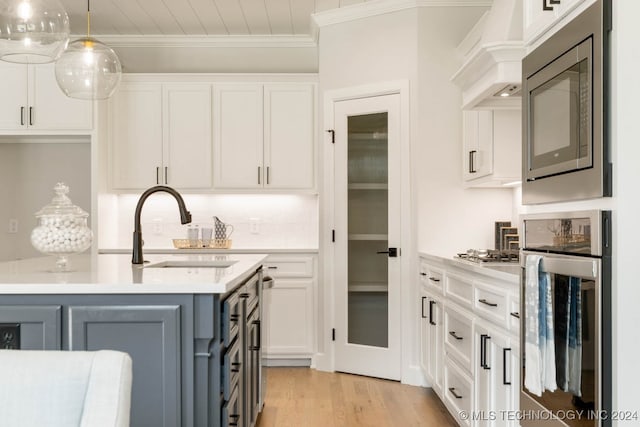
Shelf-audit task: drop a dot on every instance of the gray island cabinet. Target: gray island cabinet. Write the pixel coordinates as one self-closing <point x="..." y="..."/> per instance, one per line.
<point x="191" y="325"/>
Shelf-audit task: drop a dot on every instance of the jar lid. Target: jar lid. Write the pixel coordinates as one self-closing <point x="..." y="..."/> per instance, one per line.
<point x="61" y="204"/>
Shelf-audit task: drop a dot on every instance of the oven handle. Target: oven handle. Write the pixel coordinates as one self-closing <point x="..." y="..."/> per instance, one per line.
<point x="567" y="265"/>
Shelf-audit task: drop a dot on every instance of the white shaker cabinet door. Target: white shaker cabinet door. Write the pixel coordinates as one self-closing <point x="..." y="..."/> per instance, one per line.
<point x="187" y="136"/>
<point x="238" y="136"/>
<point x="289" y="136"/>
<point x="50" y="108"/>
<point x="477" y="144"/>
<point x="13" y="86"/>
<point x="289" y="320"/>
<point x="136" y="136"/>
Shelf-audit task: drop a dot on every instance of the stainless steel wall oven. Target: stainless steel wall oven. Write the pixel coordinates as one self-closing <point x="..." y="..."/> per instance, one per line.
<point x="565" y="107"/>
<point x="566" y="327"/>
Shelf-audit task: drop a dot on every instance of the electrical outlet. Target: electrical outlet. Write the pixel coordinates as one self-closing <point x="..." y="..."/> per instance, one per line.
<point x="157" y="226"/>
<point x="13" y="226"/>
<point x="254" y="225"/>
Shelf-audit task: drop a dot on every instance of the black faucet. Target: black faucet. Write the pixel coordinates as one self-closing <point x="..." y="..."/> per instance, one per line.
<point x="185" y="218"/>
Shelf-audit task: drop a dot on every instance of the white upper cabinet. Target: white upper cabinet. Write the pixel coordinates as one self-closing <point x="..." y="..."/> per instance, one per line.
<point x="288" y="136"/>
<point x="264" y="136"/>
<point x="161" y="134"/>
<point x="478" y="144"/>
<point x="540" y="16"/>
<point x="187" y="147"/>
<point x="33" y="101"/>
<point x="135" y="116"/>
<point x="492" y="144"/>
<point x="238" y="147"/>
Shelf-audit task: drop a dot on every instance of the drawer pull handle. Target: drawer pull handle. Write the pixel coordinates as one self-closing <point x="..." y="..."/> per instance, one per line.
<point x="433" y="279"/>
<point x="504" y="366"/>
<point x="431" y="304"/>
<point x="485" y="302"/>
<point x="235" y="317"/>
<point x="207" y="355"/>
<point x="453" y="334"/>
<point x="452" y="390"/>
<point x="515" y="314"/>
<point x="423" y="274"/>
<point x="272" y="267"/>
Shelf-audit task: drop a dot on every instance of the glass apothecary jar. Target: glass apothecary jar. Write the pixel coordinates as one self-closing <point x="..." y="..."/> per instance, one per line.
<point x="62" y="228"/>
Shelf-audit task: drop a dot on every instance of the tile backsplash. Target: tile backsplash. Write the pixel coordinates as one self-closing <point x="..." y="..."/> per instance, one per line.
<point x="259" y="220"/>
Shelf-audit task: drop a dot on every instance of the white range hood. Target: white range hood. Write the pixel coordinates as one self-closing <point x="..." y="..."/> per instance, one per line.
<point x="492" y="55"/>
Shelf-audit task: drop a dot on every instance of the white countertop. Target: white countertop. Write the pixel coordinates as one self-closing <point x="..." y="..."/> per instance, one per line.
<point x="213" y="251"/>
<point x="114" y="274"/>
<point x="509" y="272"/>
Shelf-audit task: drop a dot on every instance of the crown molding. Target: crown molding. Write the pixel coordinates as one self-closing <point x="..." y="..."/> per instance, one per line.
<point x="215" y="41"/>
<point x="381" y="7"/>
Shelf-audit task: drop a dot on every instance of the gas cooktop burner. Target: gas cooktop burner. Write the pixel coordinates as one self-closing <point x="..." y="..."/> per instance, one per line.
<point x="489" y="255"/>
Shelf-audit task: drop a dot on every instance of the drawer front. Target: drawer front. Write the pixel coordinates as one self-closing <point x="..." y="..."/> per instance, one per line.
<point x="231" y="368"/>
<point x="458" y="395"/>
<point x="458" y="336"/>
<point x="491" y="303"/>
<point x="280" y="266"/>
<point x="231" y="311"/>
<point x="459" y="289"/>
<point x="431" y="277"/>
<point x="514" y="315"/>
<point x="232" y="410"/>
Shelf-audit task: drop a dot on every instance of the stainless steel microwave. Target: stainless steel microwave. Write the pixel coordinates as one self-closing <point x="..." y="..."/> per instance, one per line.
<point x="565" y="112"/>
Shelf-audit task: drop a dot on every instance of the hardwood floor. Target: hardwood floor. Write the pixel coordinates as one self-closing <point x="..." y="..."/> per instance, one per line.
<point x="303" y="397"/>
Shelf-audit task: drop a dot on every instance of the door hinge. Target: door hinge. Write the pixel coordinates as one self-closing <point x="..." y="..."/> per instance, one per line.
<point x="333" y="235"/>
<point x="333" y="334"/>
<point x="333" y="135"/>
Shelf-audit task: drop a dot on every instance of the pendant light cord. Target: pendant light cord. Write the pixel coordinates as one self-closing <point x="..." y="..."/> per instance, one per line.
<point x="88" y="18"/>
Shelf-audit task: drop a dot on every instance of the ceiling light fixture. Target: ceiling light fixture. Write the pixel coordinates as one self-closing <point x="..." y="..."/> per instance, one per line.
<point x="33" y="31"/>
<point x="88" y="68"/>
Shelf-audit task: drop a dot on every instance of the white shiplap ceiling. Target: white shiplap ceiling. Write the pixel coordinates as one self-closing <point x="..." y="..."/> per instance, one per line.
<point x="198" y="17"/>
<point x="122" y="18"/>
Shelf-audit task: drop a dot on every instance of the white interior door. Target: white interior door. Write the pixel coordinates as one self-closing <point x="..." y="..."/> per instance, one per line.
<point x="367" y="227"/>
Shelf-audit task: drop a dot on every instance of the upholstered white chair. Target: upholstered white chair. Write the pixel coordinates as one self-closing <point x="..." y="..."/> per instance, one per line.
<point x="64" y="388"/>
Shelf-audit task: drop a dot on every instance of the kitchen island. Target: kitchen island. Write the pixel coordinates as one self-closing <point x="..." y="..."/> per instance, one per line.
<point x="189" y="322"/>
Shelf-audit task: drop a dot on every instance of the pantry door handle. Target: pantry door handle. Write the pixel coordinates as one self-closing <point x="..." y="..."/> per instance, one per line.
<point x="166" y="175"/>
<point x="259" y="173"/>
<point x="268" y="168"/>
<point x="21" y="116"/>
<point x="483" y="354"/>
<point x="422" y="307"/>
<point x="453" y="334"/>
<point x="157" y="175"/>
<point x="30" y="116"/>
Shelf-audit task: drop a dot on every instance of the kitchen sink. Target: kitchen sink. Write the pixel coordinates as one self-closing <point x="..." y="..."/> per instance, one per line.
<point x="192" y="264"/>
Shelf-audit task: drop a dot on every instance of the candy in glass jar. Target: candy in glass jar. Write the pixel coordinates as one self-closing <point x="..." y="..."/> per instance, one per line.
<point x="62" y="228"/>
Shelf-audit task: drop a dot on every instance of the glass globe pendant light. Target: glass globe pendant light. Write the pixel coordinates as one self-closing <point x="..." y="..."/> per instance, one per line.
<point x="88" y="68"/>
<point x="32" y="31"/>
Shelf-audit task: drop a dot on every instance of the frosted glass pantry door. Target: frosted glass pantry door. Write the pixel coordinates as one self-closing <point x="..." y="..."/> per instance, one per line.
<point x="367" y="218"/>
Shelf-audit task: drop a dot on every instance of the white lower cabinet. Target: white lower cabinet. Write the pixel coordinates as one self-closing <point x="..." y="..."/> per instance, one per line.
<point x="431" y="349"/>
<point x="469" y="336"/>
<point x="494" y="377"/>
<point x="458" y="393"/>
<point x="288" y="310"/>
